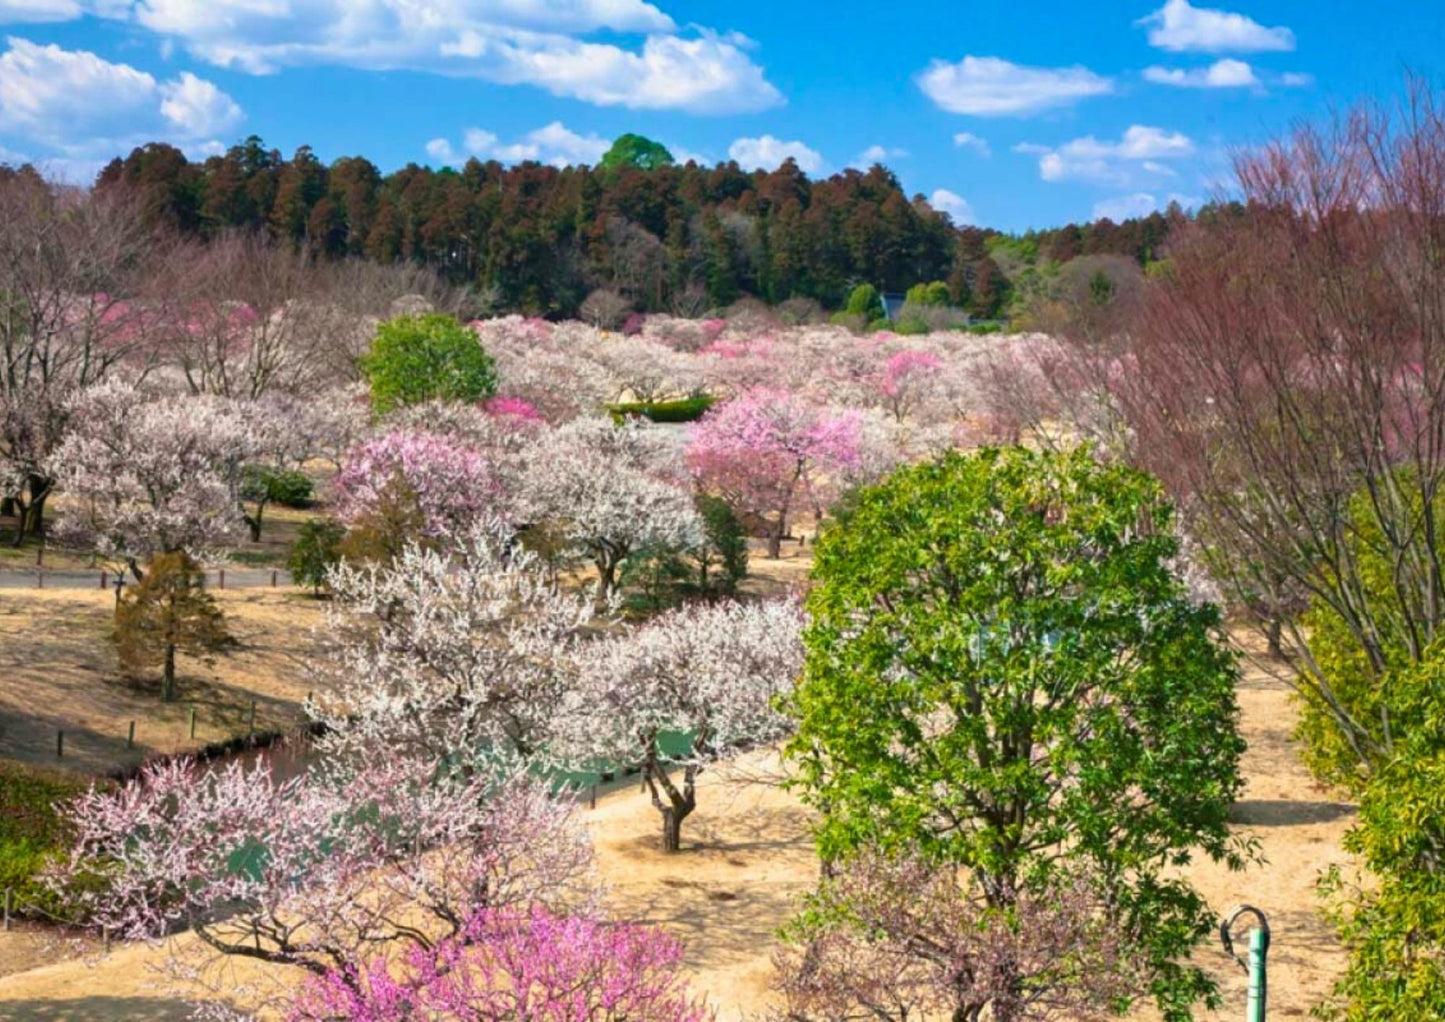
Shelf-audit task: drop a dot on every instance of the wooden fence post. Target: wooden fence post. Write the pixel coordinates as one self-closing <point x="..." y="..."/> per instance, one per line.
<point x="593" y="801"/>
<point x="59" y="744"/>
<point x="193" y="722"/>
<point x="251" y="727"/>
<point x="222" y="573"/>
<point x="130" y="736"/>
<point x="273" y="580"/>
<point x="102" y="580"/>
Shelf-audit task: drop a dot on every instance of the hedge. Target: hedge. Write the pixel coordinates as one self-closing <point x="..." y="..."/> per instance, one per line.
<point x="689" y="409"/>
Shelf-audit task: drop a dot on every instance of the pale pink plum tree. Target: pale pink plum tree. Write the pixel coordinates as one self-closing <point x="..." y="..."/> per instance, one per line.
<point x="453" y="484"/>
<point x="518" y="965"/>
<point x="610" y="491"/>
<point x="692" y="686"/>
<point x="503" y="432"/>
<point x="462" y="656"/>
<point x="645" y="370"/>
<point x="549" y="368"/>
<point x="150" y="472"/>
<point x="320" y="872"/>
<point x="337" y="420"/>
<point x="907" y="381"/>
<point x="767" y="451"/>
<point x="894" y="937"/>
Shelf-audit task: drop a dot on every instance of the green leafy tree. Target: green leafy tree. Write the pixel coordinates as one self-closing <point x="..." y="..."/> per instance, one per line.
<point x="168" y="612"/>
<point x="863" y="301"/>
<point x="636" y="151"/>
<point x="316" y="550"/>
<point x="931" y="294"/>
<point x="426" y="358"/>
<point x="1394" y="923"/>
<point x="1004" y="675"/>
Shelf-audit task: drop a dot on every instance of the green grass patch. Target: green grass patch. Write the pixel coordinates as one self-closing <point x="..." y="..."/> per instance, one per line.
<point x="33" y="831"/>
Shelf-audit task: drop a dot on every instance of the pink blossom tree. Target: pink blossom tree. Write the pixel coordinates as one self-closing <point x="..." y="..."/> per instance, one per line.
<point x="516" y="965"/>
<point x="908" y="379"/>
<point x="691" y="687"/>
<point x="452" y="484"/>
<point x="320" y="872"/>
<point x="767" y="451"/>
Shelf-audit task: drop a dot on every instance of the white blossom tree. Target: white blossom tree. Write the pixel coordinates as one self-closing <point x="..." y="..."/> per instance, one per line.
<point x="462" y="656"/>
<point x="691" y="687"/>
<point x="610" y="491"/>
<point x="149" y="472"/>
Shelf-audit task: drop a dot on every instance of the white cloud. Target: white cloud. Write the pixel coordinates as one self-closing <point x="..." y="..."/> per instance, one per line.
<point x="512" y="42"/>
<point x="1227" y="73"/>
<point x="12" y="11"/>
<point x="955" y="205"/>
<point x="1117" y="163"/>
<point x="1140" y="204"/>
<point x="554" y="143"/>
<point x="197" y="107"/>
<point x="768" y="153"/>
<point x="81" y="104"/>
<point x="968" y="140"/>
<point x="1180" y="27"/>
<point x="992" y="87"/>
<point x="1296" y="80"/>
<point x="878" y="154"/>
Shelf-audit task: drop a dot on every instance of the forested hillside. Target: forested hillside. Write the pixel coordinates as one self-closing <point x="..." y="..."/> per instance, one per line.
<point x="682" y="239"/>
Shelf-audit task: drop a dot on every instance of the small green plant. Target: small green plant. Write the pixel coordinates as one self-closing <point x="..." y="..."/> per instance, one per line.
<point x="316" y="550"/>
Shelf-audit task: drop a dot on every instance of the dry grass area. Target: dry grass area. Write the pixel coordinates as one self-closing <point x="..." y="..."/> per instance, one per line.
<point x="58" y="671"/>
<point x="746" y="857"/>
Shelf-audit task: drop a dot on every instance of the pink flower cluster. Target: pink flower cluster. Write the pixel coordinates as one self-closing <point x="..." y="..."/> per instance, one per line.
<point x="514" y="965"/>
<point x="453" y="485"/>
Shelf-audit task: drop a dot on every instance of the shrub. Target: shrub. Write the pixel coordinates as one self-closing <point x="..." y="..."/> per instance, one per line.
<point x="688" y="409"/>
<point x="34" y="832"/>
<point x="279" y="486"/>
<point x="863" y="301"/>
<point x="722" y="562"/>
<point x="316" y="550"/>
<point x="910" y="326"/>
<point x="414" y="359"/>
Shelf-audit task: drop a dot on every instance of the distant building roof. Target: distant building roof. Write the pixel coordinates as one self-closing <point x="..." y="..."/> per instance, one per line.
<point x="892" y="305"/>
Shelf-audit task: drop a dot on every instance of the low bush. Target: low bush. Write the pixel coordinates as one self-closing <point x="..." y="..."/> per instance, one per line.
<point x="688" y="409"/>
<point x="33" y="832"/>
<point x="316" y="550"/>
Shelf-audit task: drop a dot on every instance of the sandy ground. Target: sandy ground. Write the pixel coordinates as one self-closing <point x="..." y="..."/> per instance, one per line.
<point x="746" y="854"/>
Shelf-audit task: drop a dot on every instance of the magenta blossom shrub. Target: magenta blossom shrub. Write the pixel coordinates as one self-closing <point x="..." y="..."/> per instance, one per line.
<point x="767" y="450"/>
<point x="504" y="407"/>
<point x="513" y="965"/>
<point x="454" y="486"/>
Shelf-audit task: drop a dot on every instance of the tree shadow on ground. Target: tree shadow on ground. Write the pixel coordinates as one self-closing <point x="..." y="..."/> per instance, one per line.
<point x="98" y="1008"/>
<point x="1271" y="812"/>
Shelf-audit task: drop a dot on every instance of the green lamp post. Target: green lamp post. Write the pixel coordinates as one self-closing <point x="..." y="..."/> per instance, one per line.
<point x="1255" y="965"/>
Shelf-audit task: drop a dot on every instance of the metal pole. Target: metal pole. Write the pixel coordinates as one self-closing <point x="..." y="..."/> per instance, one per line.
<point x="1258" y="978"/>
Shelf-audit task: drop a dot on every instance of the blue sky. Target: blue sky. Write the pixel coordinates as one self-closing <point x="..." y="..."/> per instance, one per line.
<point x="1010" y="115"/>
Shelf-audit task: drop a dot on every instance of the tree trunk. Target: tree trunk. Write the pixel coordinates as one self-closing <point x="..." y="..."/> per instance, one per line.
<point x="168" y="678"/>
<point x="35" y="518"/>
<point x="679" y="804"/>
<point x="253" y="522"/>
<point x="775" y="541"/>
